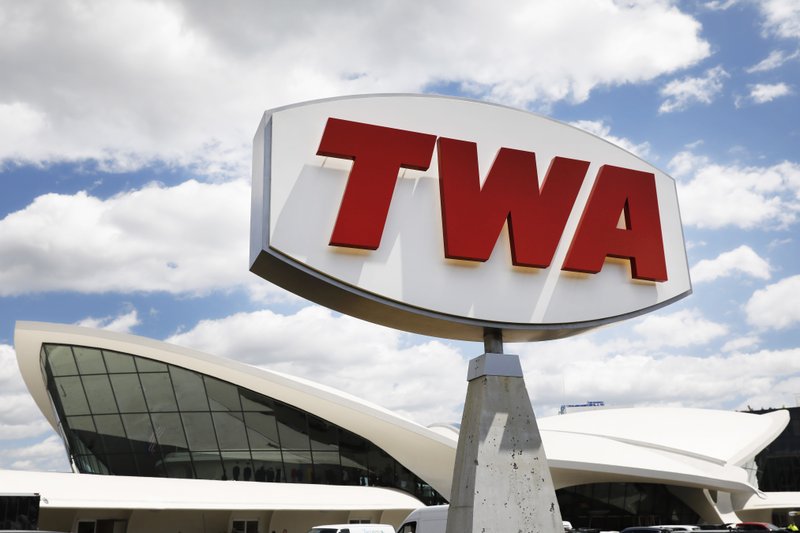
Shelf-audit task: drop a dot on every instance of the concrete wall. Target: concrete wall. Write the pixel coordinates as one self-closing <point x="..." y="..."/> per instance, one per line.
<point x="56" y="519"/>
<point x="394" y="517"/>
<point x="179" y="522"/>
<point x="302" y="521"/>
<point x="155" y="521"/>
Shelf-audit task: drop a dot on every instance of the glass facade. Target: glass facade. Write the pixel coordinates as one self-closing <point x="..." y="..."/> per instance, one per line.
<point x="127" y="415"/>
<point x="615" y="506"/>
<point x="19" y="512"/>
<point x="779" y="463"/>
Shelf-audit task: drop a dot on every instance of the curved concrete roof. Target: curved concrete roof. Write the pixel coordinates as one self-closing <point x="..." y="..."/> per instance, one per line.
<point x="86" y="491"/>
<point x="691" y="447"/>
<point x="687" y="447"/>
<point x="401" y="438"/>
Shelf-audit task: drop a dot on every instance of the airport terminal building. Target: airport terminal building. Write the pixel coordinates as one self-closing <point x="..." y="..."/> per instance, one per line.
<point x="163" y="438"/>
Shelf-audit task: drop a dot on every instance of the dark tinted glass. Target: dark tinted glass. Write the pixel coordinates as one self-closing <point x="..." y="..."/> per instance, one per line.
<point x="128" y="392"/>
<point x="113" y="433"/>
<point x="268" y="466"/>
<point x="147" y="418"/>
<point x="299" y="468"/>
<point x="83" y="434"/>
<point x="381" y="468"/>
<point x="327" y="469"/>
<point x="122" y="464"/>
<point x="222" y="396"/>
<point x="262" y="430"/>
<point x="292" y="428"/>
<point x="71" y="395"/>
<point x="237" y="465"/>
<point x="90" y="360"/>
<point x="147" y="365"/>
<point x="189" y="390"/>
<point x="207" y="465"/>
<point x="119" y="362"/>
<point x="61" y="361"/>
<point x="353" y="450"/>
<point x="150" y="465"/>
<point x="140" y="432"/>
<point x="169" y="430"/>
<point x="81" y="423"/>
<point x="158" y="392"/>
<point x="324" y="435"/>
<point x="98" y="391"/>
<point x="231" y="432"/>
<point x="179" y="465"/>
<point x="616" y="506"/>
<point x="199" y="431"/>
<point x="252" y="401"/>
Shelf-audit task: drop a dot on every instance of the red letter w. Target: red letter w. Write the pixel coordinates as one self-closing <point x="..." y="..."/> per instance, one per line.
<point x="473" y="216"/>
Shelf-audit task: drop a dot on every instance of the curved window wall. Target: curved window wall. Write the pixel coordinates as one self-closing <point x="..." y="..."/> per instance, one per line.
<point x="615" y="506"/>
<point x="127" y="415"/>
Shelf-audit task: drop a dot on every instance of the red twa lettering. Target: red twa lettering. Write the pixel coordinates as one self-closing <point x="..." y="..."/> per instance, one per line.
<point x="473" y="216"/>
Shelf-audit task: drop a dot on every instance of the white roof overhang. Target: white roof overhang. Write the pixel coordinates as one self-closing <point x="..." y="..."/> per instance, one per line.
<point x="688" y="447"/>
<point x="85" y="491"/>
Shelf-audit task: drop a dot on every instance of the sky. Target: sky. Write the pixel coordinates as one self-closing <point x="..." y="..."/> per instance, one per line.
<point x="125" y="151"/>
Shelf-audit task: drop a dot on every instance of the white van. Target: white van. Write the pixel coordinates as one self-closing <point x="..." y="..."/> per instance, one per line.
<point x="431" y="519"/>
<point x="353" y="528"/>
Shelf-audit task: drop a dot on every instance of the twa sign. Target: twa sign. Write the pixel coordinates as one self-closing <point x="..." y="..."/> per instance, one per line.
<point x="444" y="216"/>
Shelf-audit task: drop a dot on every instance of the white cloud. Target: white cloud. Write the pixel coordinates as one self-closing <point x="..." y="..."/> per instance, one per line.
<point x="781" y="17"/>
<point x="686" y="162"/>
<point x="781" y="393"/>
<point x="190" y="238"/>
<point x="746" y="197"/>
<point x="739" y="344"/>
<point x="46" y="455"/>
<point x="777" y="306"/>
<point x="762" y="93"/>
<point x="720" y="5"/>
<point x="122" y="324"/>
<point x="741" y="260"/>
<point x="426" y="382"/>
<point x="584" y="368"/>
<point x="601" y="129"/>
<point x="680" y="94"/>
<point x="686" y="327"/>
<point x="19" y="416"/>
<point x="131" y="81"/>
<point x="775" y="59"/>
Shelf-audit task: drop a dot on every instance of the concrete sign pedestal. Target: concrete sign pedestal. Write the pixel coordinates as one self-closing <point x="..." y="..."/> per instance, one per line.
<point x="501" y="482"/>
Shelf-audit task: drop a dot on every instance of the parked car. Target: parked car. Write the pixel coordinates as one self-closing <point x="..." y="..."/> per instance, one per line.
<point x="433" y="519"/>
<point x="757" y="526"/>
<point x="353" y="528"/>
<point x="645" y="529"/>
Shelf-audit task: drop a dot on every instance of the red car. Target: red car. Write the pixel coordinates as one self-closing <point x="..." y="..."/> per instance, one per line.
<point x="757" y="526"/>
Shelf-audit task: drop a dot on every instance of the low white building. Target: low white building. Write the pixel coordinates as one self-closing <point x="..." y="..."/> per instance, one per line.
<point x="163" y="438"/>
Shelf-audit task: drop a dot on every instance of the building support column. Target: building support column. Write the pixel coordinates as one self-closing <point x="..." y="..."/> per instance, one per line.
<point x="501" y="482"/>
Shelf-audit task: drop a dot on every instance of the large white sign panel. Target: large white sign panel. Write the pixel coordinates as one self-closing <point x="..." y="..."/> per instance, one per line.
<point x="446" y="216"/>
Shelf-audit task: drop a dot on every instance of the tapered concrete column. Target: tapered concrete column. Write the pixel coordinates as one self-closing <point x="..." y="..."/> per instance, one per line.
<point x="501" y="482"/>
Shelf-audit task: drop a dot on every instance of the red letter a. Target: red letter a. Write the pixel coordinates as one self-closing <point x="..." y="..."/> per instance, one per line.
<point x="619" y="190"/>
